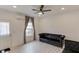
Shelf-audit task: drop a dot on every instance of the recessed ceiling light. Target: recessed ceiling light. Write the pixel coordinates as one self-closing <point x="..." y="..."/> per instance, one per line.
<point x="62" y="8"/>
<point x="14" y="6"/>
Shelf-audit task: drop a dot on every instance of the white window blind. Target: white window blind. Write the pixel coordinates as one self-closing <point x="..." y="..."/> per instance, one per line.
<point x="4" y="28"/>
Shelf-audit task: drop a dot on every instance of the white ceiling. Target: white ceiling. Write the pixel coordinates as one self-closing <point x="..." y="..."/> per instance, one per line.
<point x="27" y="9"/>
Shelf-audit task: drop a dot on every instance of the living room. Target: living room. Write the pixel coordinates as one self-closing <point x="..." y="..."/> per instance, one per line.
<point x="61" y="20"/>
<point x="39" y="29"/>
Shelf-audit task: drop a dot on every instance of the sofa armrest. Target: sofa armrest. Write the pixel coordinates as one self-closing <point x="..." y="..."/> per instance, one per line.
<point x="62" y="37"/>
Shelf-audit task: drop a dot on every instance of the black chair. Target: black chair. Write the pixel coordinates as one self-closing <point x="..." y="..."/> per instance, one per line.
<point x="71" y="46"/>
<point x="5" y="50"/>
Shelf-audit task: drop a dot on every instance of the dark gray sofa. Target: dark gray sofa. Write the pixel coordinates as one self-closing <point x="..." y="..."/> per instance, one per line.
<point x="54" y="39"/>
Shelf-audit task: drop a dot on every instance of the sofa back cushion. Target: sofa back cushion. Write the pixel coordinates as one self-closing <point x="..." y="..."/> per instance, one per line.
<point x="51" y="36"/>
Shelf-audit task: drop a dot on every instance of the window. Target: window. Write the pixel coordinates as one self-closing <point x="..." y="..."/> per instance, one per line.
<point x="29" y="29"/>
<point x="4" y="28"/>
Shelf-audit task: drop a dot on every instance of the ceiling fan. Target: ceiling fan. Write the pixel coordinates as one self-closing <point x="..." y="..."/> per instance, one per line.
<point x="41" y="10"/>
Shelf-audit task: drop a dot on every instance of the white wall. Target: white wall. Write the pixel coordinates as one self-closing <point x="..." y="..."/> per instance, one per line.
<point x="37" y="27"/>
<point x="16" y="29"/>
<point x="65" y="23"/>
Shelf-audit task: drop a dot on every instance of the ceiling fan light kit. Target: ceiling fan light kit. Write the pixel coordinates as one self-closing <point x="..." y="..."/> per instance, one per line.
<point x="40" y="13"/>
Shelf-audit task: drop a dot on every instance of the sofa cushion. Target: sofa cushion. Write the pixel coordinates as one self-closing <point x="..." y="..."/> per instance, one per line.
<point x="50" y="37"/>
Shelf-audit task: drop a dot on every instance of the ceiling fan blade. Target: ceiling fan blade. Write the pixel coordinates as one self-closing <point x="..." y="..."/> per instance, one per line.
<point x="35" y="10"/>
<point x="46" y="10"/>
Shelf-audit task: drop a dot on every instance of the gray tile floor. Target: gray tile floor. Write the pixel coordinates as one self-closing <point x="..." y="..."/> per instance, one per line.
<point x="37" y="47"/>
